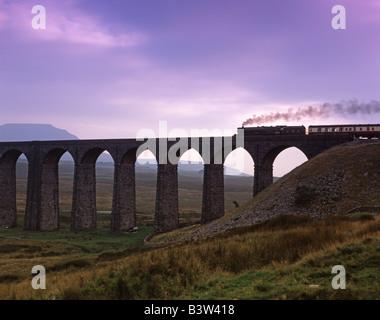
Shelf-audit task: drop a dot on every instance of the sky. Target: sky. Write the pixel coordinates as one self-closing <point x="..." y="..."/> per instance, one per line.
<point x="109" y="69"/>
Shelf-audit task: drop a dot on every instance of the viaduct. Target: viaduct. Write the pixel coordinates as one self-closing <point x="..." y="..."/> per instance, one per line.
<point x="42" y="209"/>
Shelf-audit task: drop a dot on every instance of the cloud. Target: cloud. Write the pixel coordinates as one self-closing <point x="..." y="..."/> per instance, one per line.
<point x="66" y="23"/>
<point x="81" y="28"/>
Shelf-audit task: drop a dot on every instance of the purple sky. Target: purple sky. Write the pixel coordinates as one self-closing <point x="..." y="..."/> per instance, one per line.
<point x="106" y="69"/>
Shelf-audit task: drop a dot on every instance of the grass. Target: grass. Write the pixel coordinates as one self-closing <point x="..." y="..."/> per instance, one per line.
<point x="91" y="241"/>
<point x="288" y="257"/>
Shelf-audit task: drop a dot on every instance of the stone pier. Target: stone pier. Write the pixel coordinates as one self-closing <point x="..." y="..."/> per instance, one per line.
<point x="49" y="198"/>
<point x="83" y="215"/>
<point x="166" y="217"/>
<point x="8" y="211"/>
<point x="213" y="192"/>
<point x="123" y="216"/>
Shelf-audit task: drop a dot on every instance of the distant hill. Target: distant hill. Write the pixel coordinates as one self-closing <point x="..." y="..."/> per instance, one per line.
<point x="30" y="132"/>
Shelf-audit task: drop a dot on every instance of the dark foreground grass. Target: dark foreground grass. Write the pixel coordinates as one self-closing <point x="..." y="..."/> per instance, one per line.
<point x="60" y="251"/>
<point x="288" y="257"/>
<point x="90" y="241"/>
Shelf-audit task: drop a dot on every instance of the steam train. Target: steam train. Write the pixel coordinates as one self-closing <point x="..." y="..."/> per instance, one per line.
<point x="357" y="130"/>
<point x="277" y="130"/>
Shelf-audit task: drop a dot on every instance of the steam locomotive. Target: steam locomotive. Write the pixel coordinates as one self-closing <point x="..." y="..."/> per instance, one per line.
<point x="357" y="130"/>
<point x="277" y="130"/>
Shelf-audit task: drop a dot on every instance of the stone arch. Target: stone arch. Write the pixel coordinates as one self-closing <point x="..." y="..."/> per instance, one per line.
<point x="264" y="169"/>
<point x="281" y="164"/>
<point x="175" y="150"/>
<point x="153" y="152"/>
<point x="190" y="185"/>
<point x="91" y="155"/>
<point x="241" y="165"/>
<point x="129" y="157"/>
<point x="218" y="149"/>
<point x="146" y="169"/>
<point x="8" y="192"/>
<point x="272" y="154"/>
<point x="53" y="156"/>
<point x="196" y="156"/>
<point x="238" y="189"/>
<point x="10" y="157"/>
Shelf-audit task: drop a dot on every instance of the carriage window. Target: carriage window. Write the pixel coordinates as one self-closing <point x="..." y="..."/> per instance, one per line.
<point x="367" y="128"/>
<point x="326" y="129"/>
<point x="361" y="129"/>
<point x="319" y="129"/>
<point x="340" y="129"/>
<point x="373" y="129"/>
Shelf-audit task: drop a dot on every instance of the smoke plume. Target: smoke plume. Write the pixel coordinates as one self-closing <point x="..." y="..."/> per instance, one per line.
<point x="326" y="110"/>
